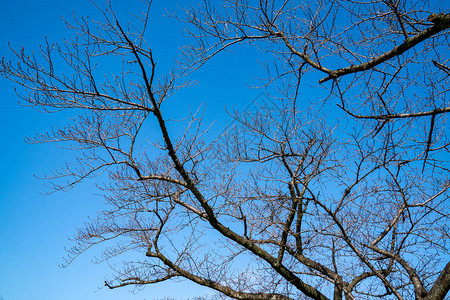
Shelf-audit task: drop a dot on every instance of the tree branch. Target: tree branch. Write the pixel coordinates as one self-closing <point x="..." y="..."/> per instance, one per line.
<point x="441" y="23"/>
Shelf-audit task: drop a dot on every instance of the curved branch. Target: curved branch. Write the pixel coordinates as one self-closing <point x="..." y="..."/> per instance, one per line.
<point x="217" y="286"/>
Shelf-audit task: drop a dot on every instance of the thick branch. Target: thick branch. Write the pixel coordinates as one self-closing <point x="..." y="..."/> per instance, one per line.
<point x="418" y="285"/>
<point x="441" y="286"/>
<point x="211" y="217"/>
<point x="400" y="115"/>
<point x="441" y="23"/>
<point x="218" y="287"/>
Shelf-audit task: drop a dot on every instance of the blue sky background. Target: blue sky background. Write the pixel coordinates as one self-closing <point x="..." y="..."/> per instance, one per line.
<point x="34" y="228"/>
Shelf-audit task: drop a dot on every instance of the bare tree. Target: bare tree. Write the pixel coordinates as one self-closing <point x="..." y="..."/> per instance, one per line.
<point x="300" y="198"/>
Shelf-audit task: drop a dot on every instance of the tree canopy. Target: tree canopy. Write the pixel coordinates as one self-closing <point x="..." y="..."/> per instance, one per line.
<point x="343" y="195"/>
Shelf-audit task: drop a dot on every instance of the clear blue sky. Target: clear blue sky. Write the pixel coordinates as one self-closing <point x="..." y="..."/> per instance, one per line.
<point x="34" y="228"/>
